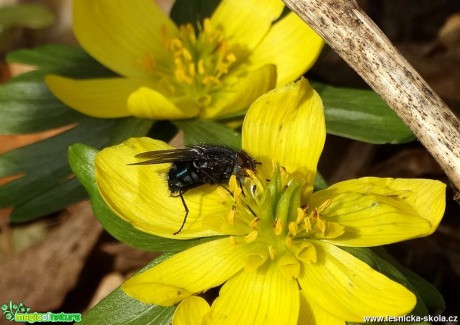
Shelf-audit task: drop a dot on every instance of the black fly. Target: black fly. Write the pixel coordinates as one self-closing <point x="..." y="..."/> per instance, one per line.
<point x="199" y="165"/>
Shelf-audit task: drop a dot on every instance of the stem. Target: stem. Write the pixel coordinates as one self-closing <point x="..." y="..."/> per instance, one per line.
<point x="356" y="38"/>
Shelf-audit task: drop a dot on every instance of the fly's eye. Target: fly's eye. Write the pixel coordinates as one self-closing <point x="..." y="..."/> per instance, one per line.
<point x="245" y="161"/>
<point x="200" y="164"/>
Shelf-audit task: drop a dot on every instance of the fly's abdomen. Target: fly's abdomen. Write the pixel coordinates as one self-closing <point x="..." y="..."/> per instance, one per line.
<point x="183" y="176"/>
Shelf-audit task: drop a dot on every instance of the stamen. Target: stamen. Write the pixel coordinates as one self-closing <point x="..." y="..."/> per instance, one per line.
<point x="233" y="183"/>
<point x="231" y="215"/>
<point x="272" y="252"/>
<point x="200" y="61"/>
<point x="293" y="228"/>
<point x="254" y="223"/>
<point x="278" y="227"/>
<point x="307" y="224"/>
<point x="320" y="225"/>
<point x="300" y="215"/>
<point x="252" y="236"/>
<point x="324" y="205"/>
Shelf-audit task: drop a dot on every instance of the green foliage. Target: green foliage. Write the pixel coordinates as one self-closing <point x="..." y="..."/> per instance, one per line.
<point x="46" y="184"/>
<point x="28" y="106"/>
<point x="118" y="308"/>
<point x="25" y="15"/>
<point x="205" y="131"/>
<point x="192" y="11"/>
<point x="361" y="115"/>
<point x="22" y="16"/>
<point x="68" y="61"/>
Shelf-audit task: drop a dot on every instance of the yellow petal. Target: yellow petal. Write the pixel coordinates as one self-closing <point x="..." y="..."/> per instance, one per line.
<point x="140" y="194"/>
<point x="245" y="23"/>
<point x="378" y="211"/>
<point x="191" y="311"/>
<point x="165" y="295"/>
<point x="292" y="46"/>
<point x="94" y="97"/>
<point x="263" y="296"/>
<point x="239" y="96"/>
<point x="151" y="104"/>
<point x="195" y="270"/>
<point x="313" y="315"/>
<point x="349" y="289"/>
<point x="125" y="36"/>
<point x="287" y="125"/>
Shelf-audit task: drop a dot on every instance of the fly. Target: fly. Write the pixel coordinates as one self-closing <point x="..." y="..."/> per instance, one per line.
<point x="198" y="165"/>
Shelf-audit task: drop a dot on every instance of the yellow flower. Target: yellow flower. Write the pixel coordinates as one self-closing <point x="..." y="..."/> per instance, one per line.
<point x="278" y="257"/>
<point x="175" y="72"/>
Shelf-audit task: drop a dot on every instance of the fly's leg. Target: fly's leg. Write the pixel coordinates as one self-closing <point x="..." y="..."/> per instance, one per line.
<point x="225" y="188"/>
<point x="186" y="212"/>
<point x="241" y="185"/>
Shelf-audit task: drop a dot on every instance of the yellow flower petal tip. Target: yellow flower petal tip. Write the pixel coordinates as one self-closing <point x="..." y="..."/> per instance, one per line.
<point x="362" y="210"/>
<point x="292" y="116"/>
<point x="151" y="104"/>
<point x="349" y="289"/>
<point x="155" y="292"/>
<point x="191" y="311"/>
<point x="178" y="72"/>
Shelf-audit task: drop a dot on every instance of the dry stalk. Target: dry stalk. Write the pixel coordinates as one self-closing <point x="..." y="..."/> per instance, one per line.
<point x="356" y="38"/>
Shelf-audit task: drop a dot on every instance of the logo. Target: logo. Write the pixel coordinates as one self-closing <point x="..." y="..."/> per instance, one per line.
<point x="21" y="313"/>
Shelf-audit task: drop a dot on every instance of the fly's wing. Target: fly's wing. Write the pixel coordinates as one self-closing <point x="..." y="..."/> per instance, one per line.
<point x="168" y="156"/>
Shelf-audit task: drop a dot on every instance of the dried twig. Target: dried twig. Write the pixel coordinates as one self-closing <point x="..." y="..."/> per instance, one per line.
<point x="355" y="37"/>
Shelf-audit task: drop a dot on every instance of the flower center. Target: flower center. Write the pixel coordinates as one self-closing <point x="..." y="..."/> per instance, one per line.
<point x="199" y="62"/>
<point x="268" y="216"/>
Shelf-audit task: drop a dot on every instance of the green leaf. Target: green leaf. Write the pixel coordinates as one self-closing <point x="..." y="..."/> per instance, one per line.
<point x="361" y="115"/>
<point x="205" y="131"/>
<point x="64" y="60"/>
<point x="59" y="197"/>
<point x="320" y="182"/>
<point x="51" y="56"/>
<point x="81" y="159"/>
<point x="119" y="308"/>
<point x="192" y="11"/>
<point x="44" y="166"/>
<point x="26" y="104"/>
<point x="430" y="295"/>
<point x="25" y="15"/>
<point x="388" y="268"/>
<point x="46" y="184"/>
<point x="28" y="107"/>
<point x="129" y="127"/>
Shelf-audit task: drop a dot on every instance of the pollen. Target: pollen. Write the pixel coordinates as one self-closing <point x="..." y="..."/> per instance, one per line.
<point x="200" y="60"/>
<point x="254" y="222"/>
<point x="232" y="240"/>
<point x="252" y="236"/>
<point x="271" y="252"/>
<point x="293" y="228"/>
<point x="231" y="216"/>
<point x="268" y="215"/>
<point x="278" y="228"/>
